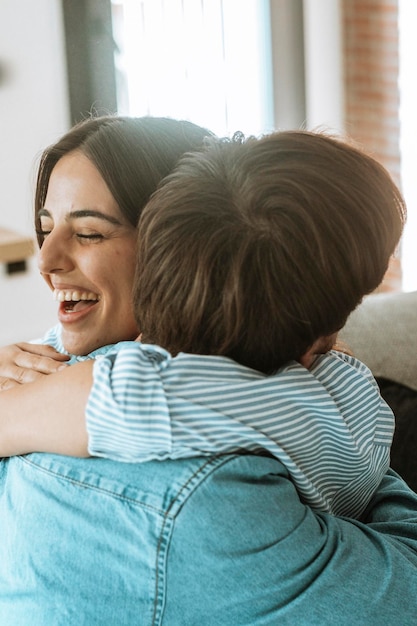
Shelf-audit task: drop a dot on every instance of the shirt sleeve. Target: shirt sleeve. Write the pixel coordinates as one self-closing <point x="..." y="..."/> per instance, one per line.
<point x="138" y="410"/>
<point x="357" y="365"/>
<point x="127" y="413"/>
<point x="145" y="406"/>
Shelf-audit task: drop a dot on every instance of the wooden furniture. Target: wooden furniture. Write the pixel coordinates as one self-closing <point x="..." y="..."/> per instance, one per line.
<point x="15" y="249"/>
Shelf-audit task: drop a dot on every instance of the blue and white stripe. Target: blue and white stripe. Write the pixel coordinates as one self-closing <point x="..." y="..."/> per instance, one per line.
<point x="328" y="425"/>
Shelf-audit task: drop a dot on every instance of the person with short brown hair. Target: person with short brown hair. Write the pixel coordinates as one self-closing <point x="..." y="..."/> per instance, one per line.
<point x="256" y="250"/>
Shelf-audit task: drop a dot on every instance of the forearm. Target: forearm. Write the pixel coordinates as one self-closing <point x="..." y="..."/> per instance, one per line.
<point x="47" y="415"/>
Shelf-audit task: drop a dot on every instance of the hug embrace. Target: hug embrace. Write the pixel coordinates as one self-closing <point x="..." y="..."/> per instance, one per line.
<point x="254" y="486"/>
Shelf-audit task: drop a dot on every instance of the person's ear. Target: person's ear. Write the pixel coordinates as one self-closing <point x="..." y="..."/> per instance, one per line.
<point x="320" y="346"/>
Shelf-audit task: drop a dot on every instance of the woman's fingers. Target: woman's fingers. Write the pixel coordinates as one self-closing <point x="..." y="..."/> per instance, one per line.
<point x="25" y="362"/>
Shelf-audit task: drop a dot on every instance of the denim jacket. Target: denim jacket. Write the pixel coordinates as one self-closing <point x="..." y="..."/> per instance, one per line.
<point x="204" y="541"/>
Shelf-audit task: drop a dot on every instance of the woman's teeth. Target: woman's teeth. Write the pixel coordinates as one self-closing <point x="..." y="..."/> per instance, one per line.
<point x="68" y="295"/>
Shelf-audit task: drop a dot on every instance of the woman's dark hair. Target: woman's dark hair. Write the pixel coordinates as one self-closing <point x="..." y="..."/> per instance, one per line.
<point x="131" y="154"/>
<point x="255" y="249"/>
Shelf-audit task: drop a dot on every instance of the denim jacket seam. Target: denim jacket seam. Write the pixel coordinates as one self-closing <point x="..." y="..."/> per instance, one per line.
<point x="103" y="490"/>
<point x="187" y="489"/>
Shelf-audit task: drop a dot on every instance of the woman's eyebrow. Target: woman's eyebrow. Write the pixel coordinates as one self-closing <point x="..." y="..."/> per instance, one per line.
<point x="73" y="215"/>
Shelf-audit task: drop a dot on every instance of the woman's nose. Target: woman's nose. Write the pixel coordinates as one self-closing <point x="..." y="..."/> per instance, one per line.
<point x="55" y="255"/>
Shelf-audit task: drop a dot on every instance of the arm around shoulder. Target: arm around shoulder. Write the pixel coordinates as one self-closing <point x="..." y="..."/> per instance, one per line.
<point x="47" y="415"/>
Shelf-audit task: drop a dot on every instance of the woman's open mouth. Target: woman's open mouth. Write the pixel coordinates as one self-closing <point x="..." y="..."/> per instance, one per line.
<point x="75" y="301"/>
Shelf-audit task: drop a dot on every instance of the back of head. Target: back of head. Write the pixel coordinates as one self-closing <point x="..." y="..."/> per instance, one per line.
<point x="132" y="154"/>
<point x="255" y="249"/>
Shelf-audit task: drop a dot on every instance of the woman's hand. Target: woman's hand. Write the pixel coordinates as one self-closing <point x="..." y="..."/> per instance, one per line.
<point x="22" y="363"/>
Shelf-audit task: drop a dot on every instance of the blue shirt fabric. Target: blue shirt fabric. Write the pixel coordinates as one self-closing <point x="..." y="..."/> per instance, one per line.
<point x="204" y="541"/>
<point x="327" y="424"/>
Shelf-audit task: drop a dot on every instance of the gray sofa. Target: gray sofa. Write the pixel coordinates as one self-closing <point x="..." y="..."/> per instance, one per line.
<point x="382" y="332"/>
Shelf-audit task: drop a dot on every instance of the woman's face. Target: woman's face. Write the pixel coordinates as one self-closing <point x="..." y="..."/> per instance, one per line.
<point x="88" y="257"/>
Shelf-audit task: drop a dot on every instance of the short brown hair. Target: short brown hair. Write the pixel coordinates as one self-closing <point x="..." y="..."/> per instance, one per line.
<point x="254" y="249"/>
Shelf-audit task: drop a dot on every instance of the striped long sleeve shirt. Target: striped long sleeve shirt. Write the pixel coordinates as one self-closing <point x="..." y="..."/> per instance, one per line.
<point x="328" y="425"/>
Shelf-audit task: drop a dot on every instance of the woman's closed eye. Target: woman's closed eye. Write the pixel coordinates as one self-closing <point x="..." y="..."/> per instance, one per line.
<point x="90" y="236"/>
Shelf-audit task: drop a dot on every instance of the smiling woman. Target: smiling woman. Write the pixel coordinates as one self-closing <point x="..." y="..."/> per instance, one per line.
<point x="87" y="256"/>
<point x="92" y="185"/>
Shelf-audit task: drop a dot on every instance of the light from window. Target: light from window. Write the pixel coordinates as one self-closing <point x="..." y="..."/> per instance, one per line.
<point x="208" y="61"/>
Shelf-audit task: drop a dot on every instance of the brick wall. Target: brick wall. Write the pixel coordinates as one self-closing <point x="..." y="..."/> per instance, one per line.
<point x="371" y="52"/>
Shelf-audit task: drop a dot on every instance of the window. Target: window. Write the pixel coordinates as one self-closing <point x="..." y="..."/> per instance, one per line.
<point x="208" y="61"/>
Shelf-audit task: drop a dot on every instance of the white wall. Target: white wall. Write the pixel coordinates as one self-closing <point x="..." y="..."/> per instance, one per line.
<point x="33" y="113"/>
